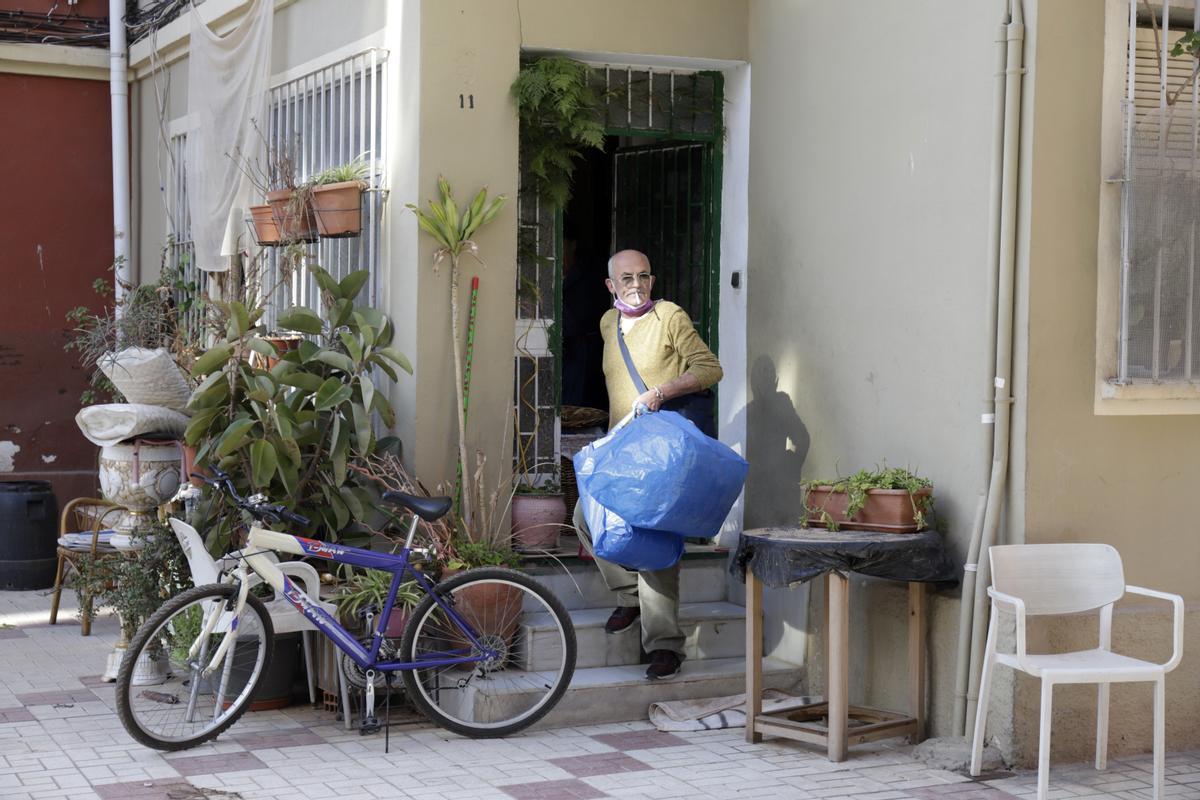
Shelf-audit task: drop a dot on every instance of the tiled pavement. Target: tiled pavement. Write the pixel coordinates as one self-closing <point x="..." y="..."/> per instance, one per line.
<point x="59" y="738"/>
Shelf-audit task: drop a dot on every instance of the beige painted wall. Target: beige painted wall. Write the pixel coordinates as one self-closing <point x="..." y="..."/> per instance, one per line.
<point x="473" y="47"/>
<point x="683" y="28"/>
<point x="868" y="262"/>
<point x="1123" y="480"/>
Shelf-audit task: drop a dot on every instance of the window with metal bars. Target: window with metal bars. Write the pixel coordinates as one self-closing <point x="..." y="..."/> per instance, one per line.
<point x="330" y="116"/>
<point x="1159" y="335"/>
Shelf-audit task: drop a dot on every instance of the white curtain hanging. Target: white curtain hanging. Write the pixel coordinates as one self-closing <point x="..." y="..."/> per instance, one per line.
<point x="227" y="85"/>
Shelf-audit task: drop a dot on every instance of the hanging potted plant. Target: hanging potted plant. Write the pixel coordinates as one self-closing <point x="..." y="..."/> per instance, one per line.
<point x="337" y="199"/>
<point x="892" y="500"/>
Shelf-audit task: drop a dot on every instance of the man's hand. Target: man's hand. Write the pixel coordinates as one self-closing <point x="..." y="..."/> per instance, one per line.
<point x="650" y="399"/>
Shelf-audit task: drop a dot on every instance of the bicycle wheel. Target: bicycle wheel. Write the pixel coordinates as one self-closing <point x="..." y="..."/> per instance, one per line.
<point x="163" y="698"/>
<point x="520" y="622"/>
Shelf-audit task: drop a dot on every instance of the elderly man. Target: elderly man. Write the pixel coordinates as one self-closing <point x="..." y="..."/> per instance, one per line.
<point x="673" y="361"/>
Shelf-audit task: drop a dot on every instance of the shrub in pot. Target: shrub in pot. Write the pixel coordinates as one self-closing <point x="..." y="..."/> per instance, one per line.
<point x="292" y="430"/>
<point x="538" y="515"/>
<point x="890" y="499"/>
<point x="370" y="588"/>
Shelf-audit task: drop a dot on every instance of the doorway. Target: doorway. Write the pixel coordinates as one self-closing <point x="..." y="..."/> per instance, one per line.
<point x="655" y="187"/>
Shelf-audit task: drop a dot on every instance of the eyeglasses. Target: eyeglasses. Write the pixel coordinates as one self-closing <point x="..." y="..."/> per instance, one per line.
<point x="641" y="277"/>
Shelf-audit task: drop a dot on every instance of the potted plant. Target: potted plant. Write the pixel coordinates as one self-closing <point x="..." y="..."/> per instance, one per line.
<point x="337" y="199"/>
<point x="370" y="588"/>
<point x="538" y="513"/>
<point x="287" y="215"/>
<point x="888" y="499"/>
<point x="293" y="431"/>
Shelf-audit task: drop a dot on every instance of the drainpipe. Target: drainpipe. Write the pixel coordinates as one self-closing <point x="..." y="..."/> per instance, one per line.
<point x="118" y="89"/>
<point x="973" y="606"/>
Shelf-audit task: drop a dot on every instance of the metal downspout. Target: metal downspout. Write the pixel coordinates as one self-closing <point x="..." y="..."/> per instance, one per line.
<point x="118" y="88"/>
<point x="1014" y="71"/>
<point x="988" y="415"/>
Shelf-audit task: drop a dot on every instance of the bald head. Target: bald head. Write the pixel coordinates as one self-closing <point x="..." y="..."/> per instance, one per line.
<point x="631" y="260"/>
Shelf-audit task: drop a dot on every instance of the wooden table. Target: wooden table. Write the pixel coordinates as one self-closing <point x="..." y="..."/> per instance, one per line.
<point x="838" y="732"/>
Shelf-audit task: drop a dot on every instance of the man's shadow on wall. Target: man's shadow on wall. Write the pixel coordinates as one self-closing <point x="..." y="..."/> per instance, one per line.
<point x="777" y="444"/>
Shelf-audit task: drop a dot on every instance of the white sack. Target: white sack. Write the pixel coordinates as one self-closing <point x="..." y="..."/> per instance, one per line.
<point x="147" y="377"/>
<point x="114" y="422"/>
<point x="227" y="85"/>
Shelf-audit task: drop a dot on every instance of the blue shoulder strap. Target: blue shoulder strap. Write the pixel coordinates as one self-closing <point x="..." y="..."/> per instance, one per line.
<point x="633" y="373"/>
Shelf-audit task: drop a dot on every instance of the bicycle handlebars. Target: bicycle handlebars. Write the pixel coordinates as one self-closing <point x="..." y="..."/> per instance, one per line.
<point x="270" y="512"/>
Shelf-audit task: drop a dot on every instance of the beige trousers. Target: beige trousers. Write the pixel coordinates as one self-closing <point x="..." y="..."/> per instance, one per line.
<point x="657" y="592"/>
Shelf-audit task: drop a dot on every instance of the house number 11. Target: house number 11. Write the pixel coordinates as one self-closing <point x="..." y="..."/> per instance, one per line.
<point x="466" y="101"/>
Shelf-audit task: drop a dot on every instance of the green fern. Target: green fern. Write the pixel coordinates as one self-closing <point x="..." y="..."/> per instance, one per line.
<point x="559" y="114"/>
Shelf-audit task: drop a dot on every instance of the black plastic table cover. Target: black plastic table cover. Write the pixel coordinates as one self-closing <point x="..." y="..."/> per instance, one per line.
<point x="782" y="557"/>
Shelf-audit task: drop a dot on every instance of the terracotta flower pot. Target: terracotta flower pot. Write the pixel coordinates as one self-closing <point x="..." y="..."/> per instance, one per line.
<point x="189" y="466"/>
<point x="338" y="208"/>
<point x="888" y="510"/>
<point x="266" y="232"/>
<point x="296" y="224"/>
<point x="282" y="345"/>
<point x="537" y="520"/>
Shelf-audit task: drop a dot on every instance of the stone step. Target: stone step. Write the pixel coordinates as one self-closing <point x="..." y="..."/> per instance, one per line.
<point x="622" y="694"/>
<point x="713" y="630"/>
<point x="611" y="694"/>
<point x="578" y="584"/>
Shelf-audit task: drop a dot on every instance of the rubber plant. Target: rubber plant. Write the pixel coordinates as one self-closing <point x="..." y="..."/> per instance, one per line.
<point x="452" y="229"/>
<point x="290" y="431"/>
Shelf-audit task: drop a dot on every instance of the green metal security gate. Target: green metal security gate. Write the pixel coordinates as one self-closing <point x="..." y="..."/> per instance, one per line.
<point x="663" y="206"/>
<point x="667" y="203"/>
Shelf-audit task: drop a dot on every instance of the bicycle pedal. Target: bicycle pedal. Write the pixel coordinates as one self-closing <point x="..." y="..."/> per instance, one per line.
<point x="369" y="725"/>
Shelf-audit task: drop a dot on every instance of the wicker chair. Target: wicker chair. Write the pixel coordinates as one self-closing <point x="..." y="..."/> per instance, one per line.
<point x="81" y="515"/>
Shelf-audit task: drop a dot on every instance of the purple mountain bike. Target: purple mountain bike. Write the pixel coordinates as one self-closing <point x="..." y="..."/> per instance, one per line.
<point x="486" y="653"/>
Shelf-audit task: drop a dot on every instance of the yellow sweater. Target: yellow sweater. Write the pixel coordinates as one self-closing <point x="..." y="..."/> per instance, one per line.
<point x="663" y="345"/>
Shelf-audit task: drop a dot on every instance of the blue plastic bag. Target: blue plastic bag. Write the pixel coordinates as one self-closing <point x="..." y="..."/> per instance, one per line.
<point x="633" y="548"/>
<point x="658" y="471"/>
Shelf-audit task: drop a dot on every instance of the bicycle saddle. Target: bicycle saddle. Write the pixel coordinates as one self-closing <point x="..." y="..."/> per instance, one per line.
<point x="427" y="508"/>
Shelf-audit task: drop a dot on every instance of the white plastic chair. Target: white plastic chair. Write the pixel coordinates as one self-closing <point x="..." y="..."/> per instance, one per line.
<point x="1043" y="579"/>
<point x="284" y="617"/>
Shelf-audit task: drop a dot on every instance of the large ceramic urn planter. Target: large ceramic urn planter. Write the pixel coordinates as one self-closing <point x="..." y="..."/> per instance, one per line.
<point x="140" y="477"/>
<point x="537" y="519"/>
<point x="887" y="510"/>
<point x="338" y="209"/>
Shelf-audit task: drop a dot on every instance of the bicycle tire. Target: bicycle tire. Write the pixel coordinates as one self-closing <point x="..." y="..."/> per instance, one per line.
<point x="135" y="703"/>
<point x="536" y="639"/>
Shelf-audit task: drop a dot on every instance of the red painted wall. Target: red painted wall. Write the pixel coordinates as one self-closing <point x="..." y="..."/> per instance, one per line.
<point x="55" y="240"/>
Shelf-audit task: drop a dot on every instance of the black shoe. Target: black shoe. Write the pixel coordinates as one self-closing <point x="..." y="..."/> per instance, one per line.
<point x="663" y="664"/>
<point x="622" y="618"/>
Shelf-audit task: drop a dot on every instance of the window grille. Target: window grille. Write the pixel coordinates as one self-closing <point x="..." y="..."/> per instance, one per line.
<point x="328" y="117"/>
<point x="1159" y="337"/>
<point x="180" y="252"/>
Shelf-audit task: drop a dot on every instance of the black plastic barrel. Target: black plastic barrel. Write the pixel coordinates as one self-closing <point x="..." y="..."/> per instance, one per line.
<point x="28" y="535"/>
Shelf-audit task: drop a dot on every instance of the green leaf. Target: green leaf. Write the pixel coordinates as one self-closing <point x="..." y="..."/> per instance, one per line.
<point x="234" y="436"/>
<point x="384" y="408"/>
<point x="338" y="360"/>
<point x="212" y="360"/>
<point x="339" y="449"/>
<point x="341" y="513"/>
<point x="263" y="347"/>
<point x="289" y="474"/>
<point x="263" y="462"/>
<point x="303" y="380"/>
<point x="368" y="389"/>
<point x="353" y="283"/>
<point x="339" y="313"/>
<point x="326" y="281"/>
<point x="386" y="367"/>
<point x="239" y="318"/>
<point x="290" y="451"/>
<point x="362" y="429"/>
<point x="213" y="391"/>
<point x="331" y="393"/>
<point x="396" y="357"/>
<point x="352" y="503"/>
<point x="199" y="423"/>
<point x="353" y="347"/>
<point x="307" y="350"/>
<point x="301" y="319"/>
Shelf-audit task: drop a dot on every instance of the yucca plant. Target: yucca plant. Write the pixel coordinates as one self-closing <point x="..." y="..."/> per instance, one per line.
<point x="452" y="228"/>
